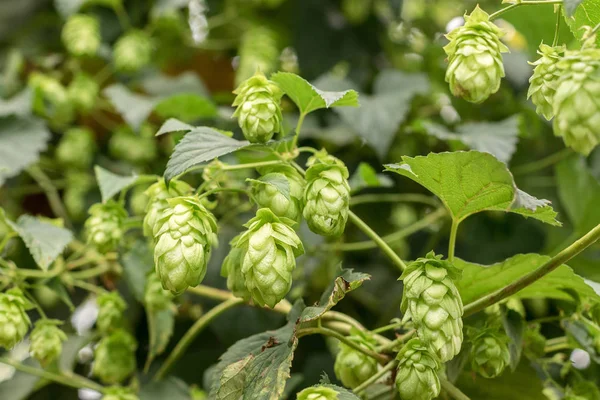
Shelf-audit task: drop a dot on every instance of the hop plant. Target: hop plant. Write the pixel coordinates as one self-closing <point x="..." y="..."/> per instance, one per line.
<point x="327" y="195"/>
<point x="135" y="148"/>
<point x="198" y="394"/>
<point x="155" y="297"/>
<point x="119" y="393"/>
<point x="544" y="81"/>
<point x="132" y="51"/>
<point x="232" y="270"/>
<point x="356" y="11"/>
<point x="158" y="194"/>
<point x="110" y="311"/>
<point x="14" y="321"/>
<point x="105" y="225"/>
<point x="51" y="100"/>
<point x="318" y="393"/>
<point x="490" y="354"/>
<point x="114" y="357"/>
<point x="353" y="367"/>
<point x="185" y="234"/>
<point x="258" y="111"/>
<point x="81" y="35"/>
<point x="268" y="3"/>
<point x="83" y="93"/>
<point x="474" y="58"/>
<point x="77" y="148"/>
<point x="534" y="343"/>
<point x="417" y="374"/>
<point x="268" y="195"/>
<point x="271" y="248"/>
<point x="576" y="108"/>
<point x="258" y="51"/>
<point x="46" y="341"/>
<point x="432" y="301"/>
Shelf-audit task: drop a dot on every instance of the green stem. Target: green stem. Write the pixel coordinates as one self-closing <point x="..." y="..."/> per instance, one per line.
<point x="283" y="307"/>
<point x="399" y="340"/>
<point x="388" y="327"/>
<point x="71" y="380"/>
<point x="307" y="150"/>
<point x="191" y="334"/>
<point x="122" y="16"/>
<point x="452" y="390"/>
<point x="377" y="239"/>
<point x="88" y="286"/>
<point x="557" y="28"/>
<point x="452" y="242"/>
<point x="388" y="367"/>
<point x="56" y="203"/>
<point x="298" y="128"/>
<point x="223" y="189"/>
<point x="523" y="3"/>
<point x="577" y="247"/>
<point x="541" y="164"/>
<point x="91" y="272"/>
<point x="394" y="198"/>
<point x="555" y="344"/>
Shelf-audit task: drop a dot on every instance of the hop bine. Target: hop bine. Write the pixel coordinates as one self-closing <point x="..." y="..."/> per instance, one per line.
<point x="490" y="354"/>
<point x="14" y="321"/>
<point x="114" y="357"/>
<point x="110" y="311"/>
<point x="432" y="301"/>
<point x="475" y="66"/>
<point x="544" y="81"/>
<point x="318" y="393"/>
<point x="269" y="196"/>
<point x="232" y="269"/>
<point x="46" y="341"/>
<point x="132" y="51"/>
<point x="81" y="35"/>
<point x="119" y="393"/>
<point x="185" y="233"/>
<point x="105" y="225"/>
<point x="158" y="193"/>
<point x="417" y="374"/>
<point x="353" y="367"/>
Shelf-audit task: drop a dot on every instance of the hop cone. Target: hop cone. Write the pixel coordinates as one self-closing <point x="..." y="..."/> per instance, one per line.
<point x="105" y="225"/>
<point x="114" y="357"/>
<point x="318" y="393"/>
<point x="14" y="321"/>
<point x="158" y="194"/>
<point x="81" y="35"/>
<point x="544" y="81"/>
<point x="269" y="196"/>
<point x="356" y="11"/>
<point x="258" y="111"/>
<point x="270" y="257"/>
<point x="353" y="367"/>
<point x="431" y="299"/>
<point x="417" y="377"/>
<point x="110" y="311"/>
<point x="258" y="51"/>
<point x="490" y="354"/>
<point x="185" y="233"/>
<point x="232" y="270"/>
<point x="132" y="51"/>
<point x="198" y="394"/>
<point x="46" y="341"/>
<point x="327" y="196"/>
<point x="119" y="393"/>
<point x="76" y="148"/>
<point x="51" y="99"/>
<point x="135" y="148"/>
<point x="576" y="106"/>
<point x="155" y="297"/>
<point x="474" y="58"/>
<point x="83" y="92"/>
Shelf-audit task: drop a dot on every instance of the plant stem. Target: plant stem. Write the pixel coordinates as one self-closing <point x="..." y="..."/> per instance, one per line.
<point x="54" y="200"/>
<point x="6" y="239"/>
<point x="388" y="367"/>
<point x="223" y="189"/>
<point x="541" y="164"/>
<point x="577" y="247"/>
<point x="557" y="28"/>
<point x="452" y="390"/>
<point x="88" y="286"/>
<point x="399" y="340"/>
<point x="377" y="239"/>
<point x="523" y="3"/>
<point x="122" y="16"/>
<point x="558" y="343"/>
<point x="452" y="243"/>
<point x="90" y="273"/>
<point x="388" y="327"/>
<point x="72" y="380"/>
<point x="298" y="128"/>
<point x="394" y="198"/>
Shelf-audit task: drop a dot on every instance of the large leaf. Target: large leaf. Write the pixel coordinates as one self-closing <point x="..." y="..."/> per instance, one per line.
<point x="21" y="142"/>
<point x="587" y="14"/>
<point x="134" y="108"/>
<point x="110" y="184"/>
<point x="170" y="388"/>
<point x="164" y="85"/>
<point x="19" y="104"/>
<point x="137" y="262"/>
<point x="160" y="328"/>
<point x="480" y="280"/>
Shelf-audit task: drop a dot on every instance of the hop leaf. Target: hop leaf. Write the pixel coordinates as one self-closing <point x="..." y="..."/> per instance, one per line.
<point x="185" y="234"/>
<point x="432" y="301"/>
<point x="114" y="357"/>
<point x="46" y="341"/>
<point x="258" y="110"/>
<point x="77" y="148"/>
<point x="318" y="393"/>
<point x="258" y="51"/>
<point x="474" y="54"/>
<point x="268" y="196"/>
<point x="327" y="195"/>
<point x="14" y="321"/>
<point x="232" y="270"/>
<point x="490" y="354"/>
<point x="132" y="51"/>
<point x="353" y="367"/>
<point x="158" y="194"/>
<point x="417" y="375"/>
<point x="110" y="311"/>
<point x="83" y="93"/>
<point x="119" y="393"/>
<point x="155" y="297"/>
<point x="544" y="81"/>
<point x="81" y="35"/>
<point x="105" y="225"/>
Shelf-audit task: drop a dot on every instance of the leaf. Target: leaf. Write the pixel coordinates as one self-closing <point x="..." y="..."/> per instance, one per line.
<point x="587" y="14"/>
<point x="20" y="385"/>
<point x="68" y="7"/>
<point x="19" y="104"/>
<point x="480" y="280"/>
<point x="137" y="262"/>
<point x="275" y="179"/>
<point x="110" y="184"/>
<point x="59" y="289"/>
<point x="186" y="107"/>
<point x="164" y="85"/>
<point x="44" y="240"/>
<point x="135" y="108"/>
<point x="529" y="206"/>
<point x="365" y="176"/>
<point x="347" y="281"/>
<point x="173" y="125"/>
<point x="160" y="328"/>
<point x="308" y="98"/>
<point x="571" y="6"/>
<point x="21" y="142"/>
<point x="584" y="334"/>
<point x="170" y="388"/>
<point x="70" y="352"/>
<point x="514" y="328"/>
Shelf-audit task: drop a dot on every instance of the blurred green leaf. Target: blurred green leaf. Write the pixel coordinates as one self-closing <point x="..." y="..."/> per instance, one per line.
<point x="19" y="104"/>
<point x="173" y="125"/>
<point x="571" y="6"/>
<point x="21" y="385"/>
<point x="587" y="14"/>
<point x="134" y="108"/>
<point x="515" y="327"/>
<point x="170" y="388"/>
<point x="584" y="334"/>
<point x="365" y="176"/>
<point x="275" y="179"/>
<point x="68" y="7"/>
<point x="160" y="327"/>
<point x="186" y="106"/>
<point x="110" y="184"/>
<point x="137" y="262"/>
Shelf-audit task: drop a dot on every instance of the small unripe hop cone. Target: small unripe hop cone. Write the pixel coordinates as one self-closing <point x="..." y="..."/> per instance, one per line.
<point x="544" y="81"/>
<point x="114" y="357"/>
<point x="105" y="225"/>
<point x="81" y="35"/>
<point x="318" y="393"/>
<point x="490" y="354"/>
<point x="232" y="270"/>
<point x="268" y="196"/>
<point x="158" y="193"/>
<point x="353" y="367"/>
<point x="46" y="341"/>
<point x="110" y="311"/>
<point x="119" y="393"/>
<point x="14" y="321"/>
<point x="417" y="373"/>
<point x="132" y="51"/>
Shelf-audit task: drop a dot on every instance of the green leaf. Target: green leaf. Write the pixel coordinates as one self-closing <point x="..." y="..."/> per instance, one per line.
<point x="275" y="179"/>
<point x="59" y="289"/>
<point x="587" y="14"/>
<point x="21" y="384"/>
<point x="44" y="240"/>
<point x="165" y="85"/>
<point x="134" y="108"/>
<point x="186" y="107"/>
<point x="71" y="347"/>
<point x="571" y="6"/>
<point x="480" y="280"/>
<point x="365" y="176"/>
<point x="21" y="142"/>
<point x="160" y="328"/>
<point x="173" y="125"/>
<point x="529" y="206"/>
<point x="347" y="281"/>
<point x="19" y="104"/>
<point x="308" y="98"/>
<point x="514" y="328"/>
<point x="584" y="334"/>
<point x="137" y="262"/>
<point x="110" y="184"/>
<point x="68" y="7"/>
<point x="170" y="388"/>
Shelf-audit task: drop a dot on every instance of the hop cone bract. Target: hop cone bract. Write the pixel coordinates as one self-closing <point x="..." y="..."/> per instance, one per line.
<point x="119" y="393"/>
<point x="114" y="357"/>
<point x="158" y="194"/>
<point x="490" y="354"/>
<point x="46" y="341"/>
<point x="475" y="66"/>
<point x="353" y="367"/>
<point x="155" y="297"/>
<point x="14" y="321"/>
<point x="83" y="92"/>
<point x="258" y="111"/>
<point x="232" y="269"/>
<point x="110" y="311"/>
<point x="318" y="393"/>
<point x="544" y="81"/>
<point x="81" y="35"/>
<point x="270" y="257"/>
<point x="185" y="234"/>
<point x="105" y="225"/>
<point x="417" y="374"/>
<point x="132" y="51"/>
<point x="327" y="196"/>
<point x="432" y="301"/>
<point x="269" y="196"/>
<point x="76" y="148"/>
<point x="258" y="51"/>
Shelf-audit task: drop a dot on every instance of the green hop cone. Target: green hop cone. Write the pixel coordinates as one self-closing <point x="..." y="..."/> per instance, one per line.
<point x="185" y="234"/>
<point x="258" y="51"/>
<point x="197" y="393"/>
<point x="155" y="297"/>
<point x="83" y="92"/>
<point x="475" y="66"/>
<point x="356" y="11"/>
<point x="417" y="374"/>
<point x="14" y="321"/>
<point x="51" y="100"/>
<point x="490" y="354"/>
<point x="269" y="196"/>
<point x="327" y="195"/>
<point x="135" y="148"/>
<point x="270" y="257"/>
<point x="105" y="225"/>
<point x="132" y="51"/>
<point x="77" y="148"/>
<point x="432" y="301"/>
<point x="353" y="367"/>
<point x="110" y="311"/>
<point x="46" y="341"/>
<point x="318" y="393"/>
<point x="544" y="81"/>
<point x="232" y="270"/>
<point x="119" y="393"/>
<point x="576" y="107"/>
<point x="158" y="194"/>
<point x="81" y="35"/>
<point x="258" y="110"/>
<point x="114" y="357"/>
